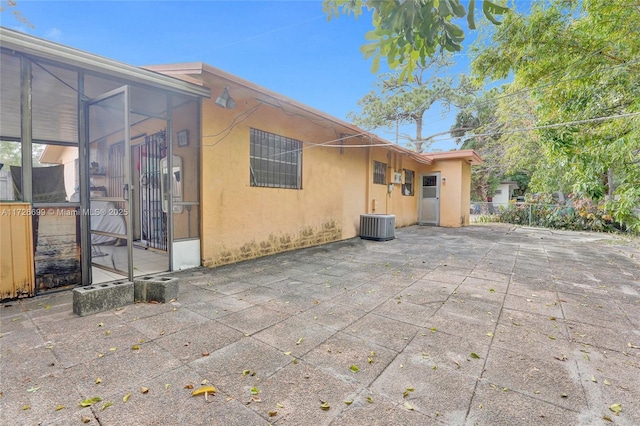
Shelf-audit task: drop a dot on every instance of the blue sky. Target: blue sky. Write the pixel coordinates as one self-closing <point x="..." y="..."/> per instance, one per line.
<point x="286" y="46"/>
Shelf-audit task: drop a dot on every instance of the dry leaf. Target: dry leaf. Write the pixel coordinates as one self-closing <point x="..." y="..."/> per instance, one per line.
<point x="144" y="390"/>
<point x="204" y="389"/>
<point x="325" y="406"/>
<point x="273" y="413"/>
<point x="85" y="419"/>
<point x="616" y="408"/>
<point x="60" y="407"/>
<point x="189" y="386"/>
<point x="126" y="397"/>
<point x="106" y="405"/>
<point x="408" y="406"/>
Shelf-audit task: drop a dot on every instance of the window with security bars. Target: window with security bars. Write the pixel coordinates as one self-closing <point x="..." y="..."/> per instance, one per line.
<point x="276" y="161"/>
<point x="407" y="186"/>
<point x="379" y="173"/>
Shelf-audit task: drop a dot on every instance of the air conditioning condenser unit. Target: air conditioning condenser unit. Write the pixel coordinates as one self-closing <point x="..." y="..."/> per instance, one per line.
<point x="378" y="227"/>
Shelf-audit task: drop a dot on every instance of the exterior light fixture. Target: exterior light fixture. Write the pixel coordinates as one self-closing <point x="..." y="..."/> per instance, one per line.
<point x="225" y="100"/>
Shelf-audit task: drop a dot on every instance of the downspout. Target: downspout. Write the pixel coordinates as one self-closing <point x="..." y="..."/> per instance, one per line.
<point x="368" y="200"/>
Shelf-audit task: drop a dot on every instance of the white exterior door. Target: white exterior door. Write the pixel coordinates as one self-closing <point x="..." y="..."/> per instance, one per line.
<point x="429" y="209"/>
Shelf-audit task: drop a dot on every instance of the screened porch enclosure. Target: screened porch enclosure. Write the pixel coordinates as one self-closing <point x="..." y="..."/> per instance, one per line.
<point x="95" y="152"/>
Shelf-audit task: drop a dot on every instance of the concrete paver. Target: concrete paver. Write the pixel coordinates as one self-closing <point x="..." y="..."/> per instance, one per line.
<point x="485" y="325"/>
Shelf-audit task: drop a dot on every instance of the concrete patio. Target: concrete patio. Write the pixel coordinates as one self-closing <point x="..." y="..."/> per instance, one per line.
<point x="487" y="325"/>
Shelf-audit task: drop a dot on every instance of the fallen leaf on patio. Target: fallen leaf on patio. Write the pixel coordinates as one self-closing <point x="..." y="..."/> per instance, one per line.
<point x="144" y="390"/>
<point x="491" y="290"/>
<point x="279" y="405"/>
<point x="100" y="355"/>
<point x="167" y="385"/>
<point x="616" y="408"/>
<point x="60" y="407"/>
<point x="287" y="353"/>
<point x="354" y="368"/>
<point x="407" y="392"/>
<point x="593" y="379"/>
<point x="586" y="357"/>
<point x="33" y="389"/>
<point x="564" y="395"/>
<point x="348" y="402"/>
<point x="516" y="324"/>
<point x="563" y="357"/>
<point x="205" y="354"/>
<point x="474" y="355"/>
<point x="433" y="329"/>
<point x="245" y="372"/>
<point x="632" y="346"/>
<point x="189" y="386"/>
<point x="126" y="397"/>
<point x="490" y="334"/>
<point x="299" y="340"/>
<point x="434" y="368"/>
<point x="50" y="346"/>
<point x="106" y="405"/>
<point x="254" y="391"/>
<point x="370" y="400"/>
<point x="90" y="401"/>
<point x="607" y="418"/>
<point x="100" y="324"/>
<point x="551" y="337"/>
<point x="552" y="319"/>
<point x="536" y="392"/>
<point x="408" y="406"/>
<point x="113" y="349"/>
<point x="26" y="407"/>
<point x="273" y="413"/>
<point x="85" y="419"/>
<point x="370" y="357"/>
<point x="606" y="382"/>
<point x="325" y="406"/>
<point x="135" y="347"/>
<point x="98" y="380"/>
<point x="108" y="332"/>
<point x="203" y="389"/>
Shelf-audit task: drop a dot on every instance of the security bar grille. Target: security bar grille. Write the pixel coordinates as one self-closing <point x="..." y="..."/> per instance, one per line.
<point x="276" y="161"/>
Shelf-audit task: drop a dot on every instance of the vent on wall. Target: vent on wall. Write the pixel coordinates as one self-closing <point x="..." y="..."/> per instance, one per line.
<point x="378" y="227"/>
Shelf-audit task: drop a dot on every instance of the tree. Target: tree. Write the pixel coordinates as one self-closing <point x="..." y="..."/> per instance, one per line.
<point x="477" y="128"/>
<point x="396" y="101"/>
<point x="579" y="63"/>
<point x="12" y="5"/>
<point x="408" y="32"/>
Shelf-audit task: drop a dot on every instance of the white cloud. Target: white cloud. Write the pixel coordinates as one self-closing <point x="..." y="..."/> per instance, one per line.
<point x="54" y="34"/>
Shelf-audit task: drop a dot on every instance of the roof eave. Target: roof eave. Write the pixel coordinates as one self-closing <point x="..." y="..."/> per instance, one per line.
<point x="27" y="44"/>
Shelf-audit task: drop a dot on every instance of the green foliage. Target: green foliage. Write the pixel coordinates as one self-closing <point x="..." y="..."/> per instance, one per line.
<point x="577" y="62"/>
<point x="407" y="32"/>
<point x="579" y="214"/>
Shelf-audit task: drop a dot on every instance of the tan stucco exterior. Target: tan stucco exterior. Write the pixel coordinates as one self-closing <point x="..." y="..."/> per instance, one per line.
<point x="240" y="221"/>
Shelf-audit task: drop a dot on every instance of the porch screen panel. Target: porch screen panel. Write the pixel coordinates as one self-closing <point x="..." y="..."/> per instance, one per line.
<point x="275" y="161"/>
<point x="55" y="103"/>
<point x="10" y="95"/>
<point x="185" y="139"/>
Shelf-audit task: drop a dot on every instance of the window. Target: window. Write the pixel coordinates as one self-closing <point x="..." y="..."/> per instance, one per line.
<point x="498" y="192"/>
<point x="379" y="173"/>
<point x="276" y="161"/>
<point x="407" y="187"/>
